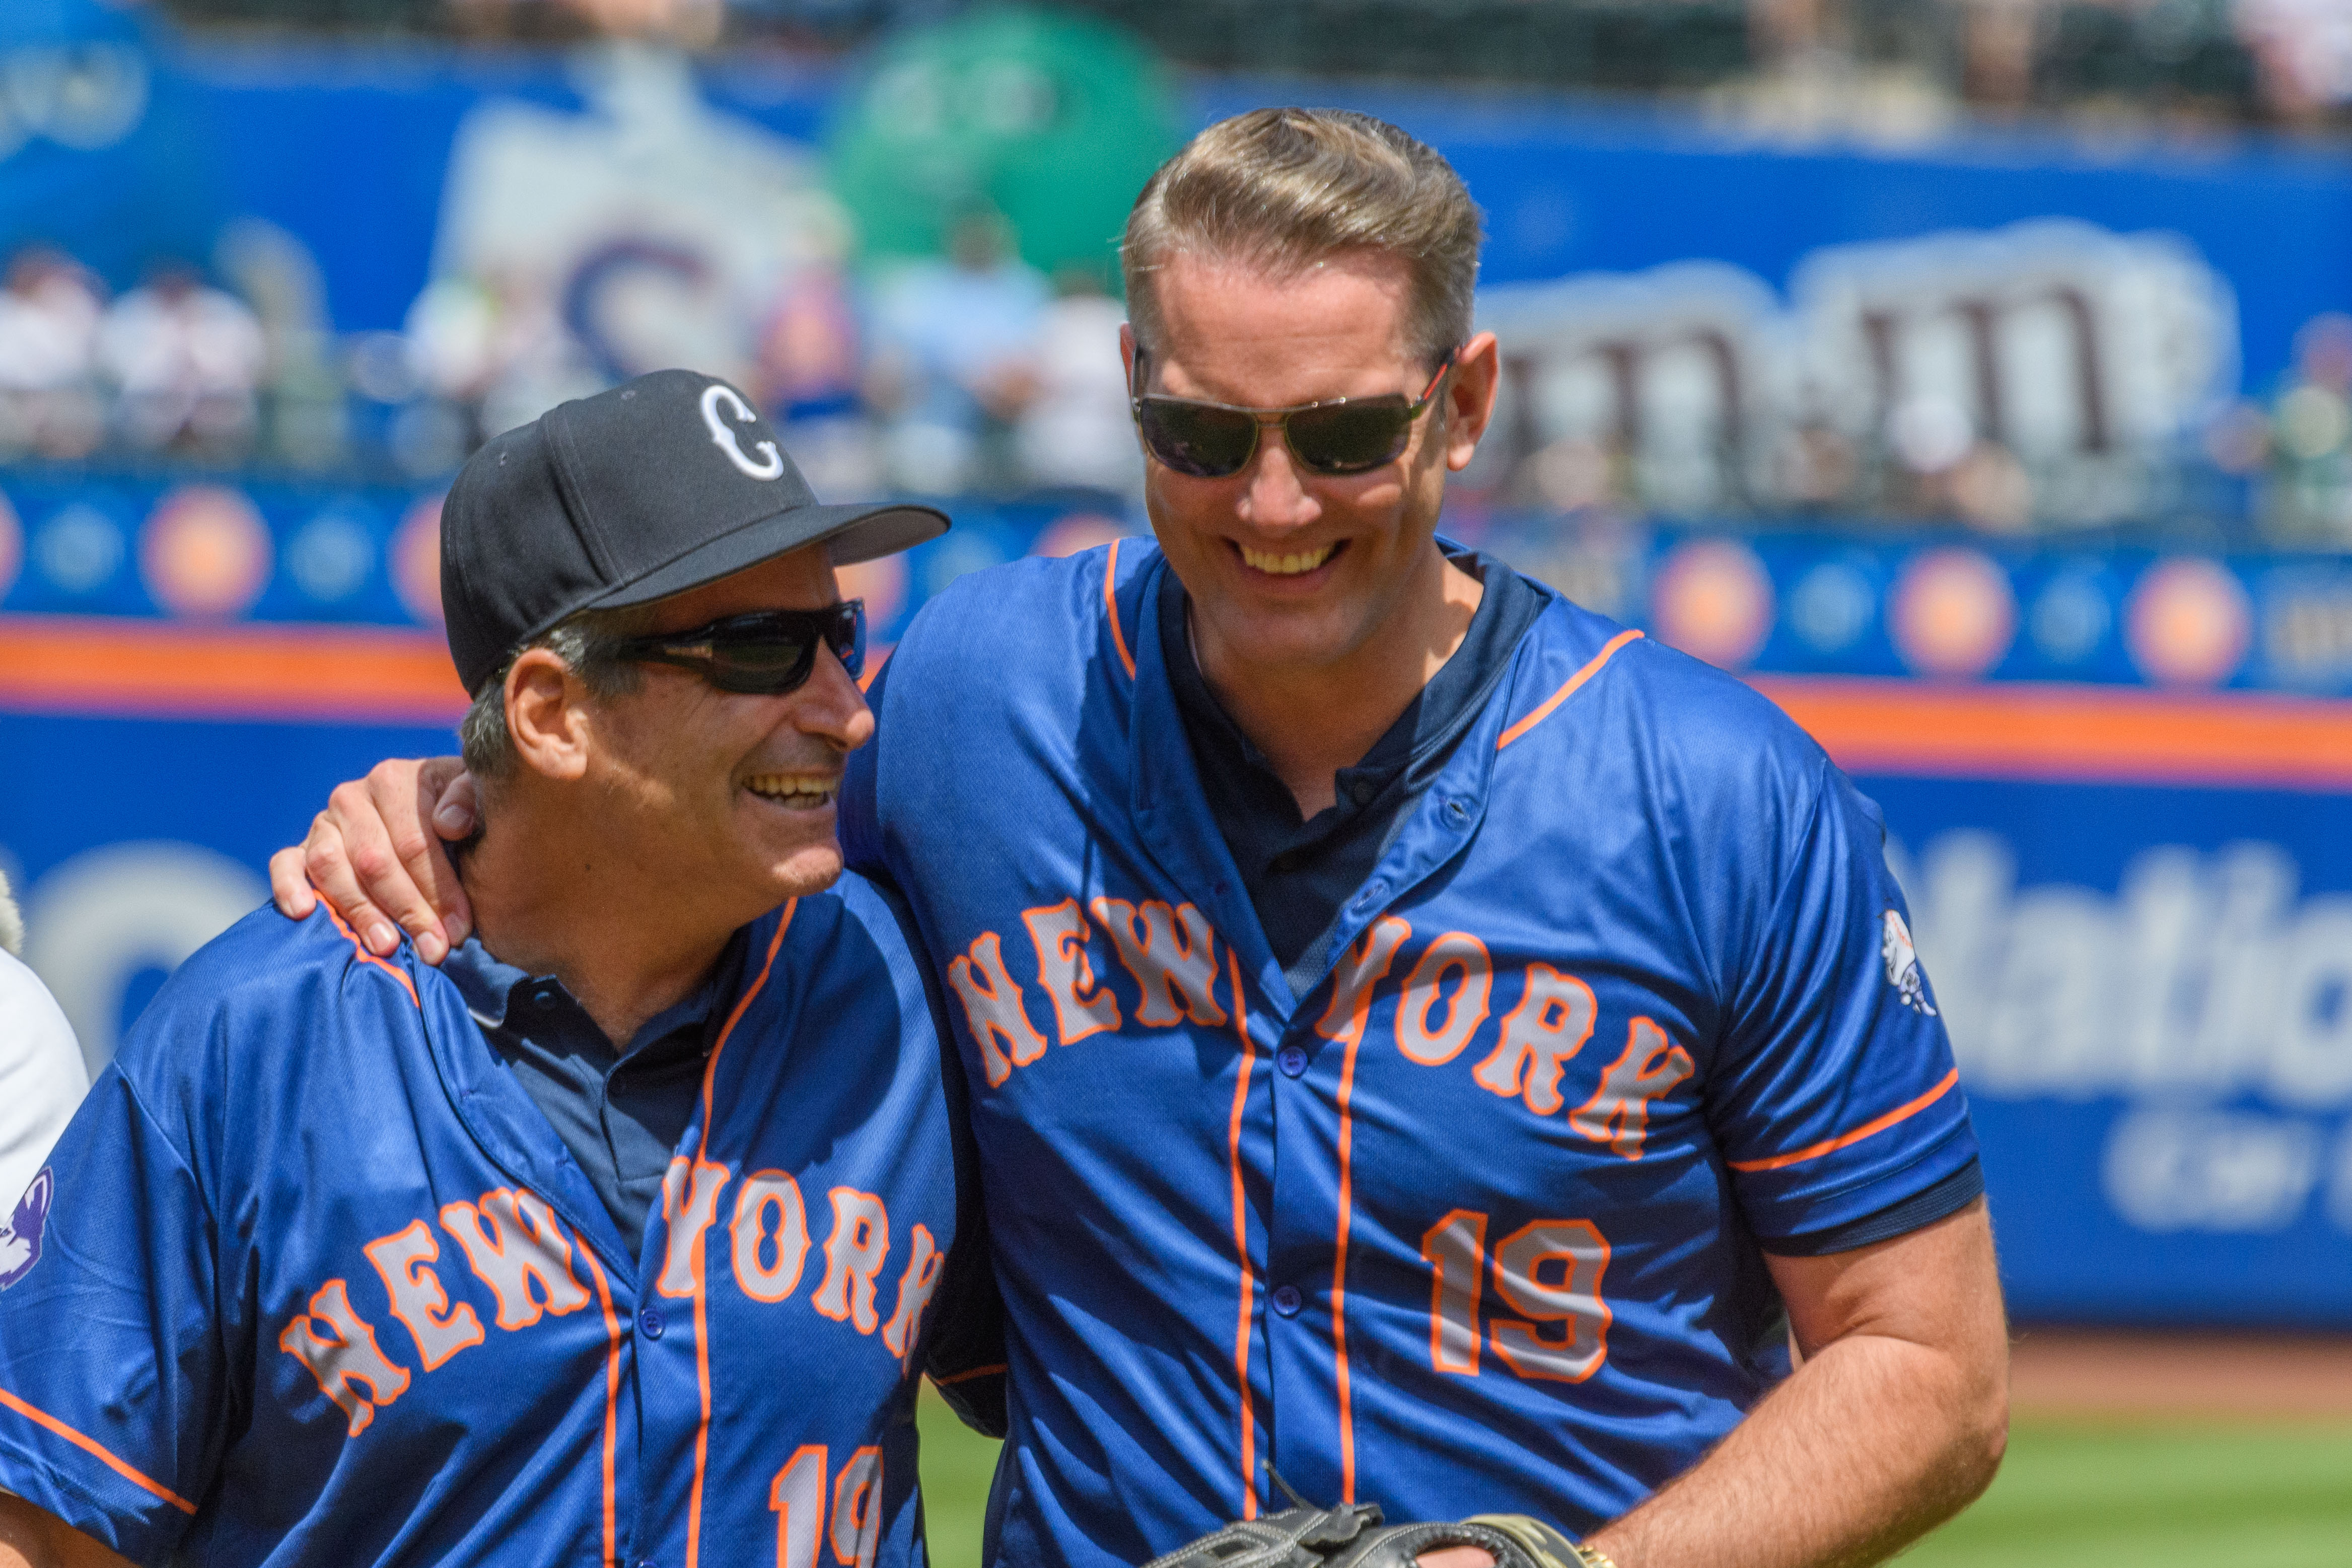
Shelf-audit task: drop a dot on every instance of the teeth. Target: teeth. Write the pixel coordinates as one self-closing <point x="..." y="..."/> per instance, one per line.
<point x="1282" y="565"/>
<point x="792" y="789"/>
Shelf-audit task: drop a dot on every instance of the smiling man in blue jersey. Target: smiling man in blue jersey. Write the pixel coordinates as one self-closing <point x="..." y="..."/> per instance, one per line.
<point x="1422" y="1038"/>
<point x="617" y="1238"/>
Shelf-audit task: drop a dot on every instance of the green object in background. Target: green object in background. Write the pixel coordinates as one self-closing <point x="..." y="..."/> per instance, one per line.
<point x="2071" y="1495"/>
<point x="2250" y="1494"/>
<point x="958" y="1463"/>
<point x="1055" y="120"/>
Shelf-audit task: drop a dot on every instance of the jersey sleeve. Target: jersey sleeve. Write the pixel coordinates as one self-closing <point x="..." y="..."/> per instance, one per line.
<point x="965" y="1356"/>
<point x="1836" y="1099"/>
<point x="113" y="1407"/>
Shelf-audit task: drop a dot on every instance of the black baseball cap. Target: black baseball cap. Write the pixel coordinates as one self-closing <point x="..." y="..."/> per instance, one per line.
<point x="657" y="486"/>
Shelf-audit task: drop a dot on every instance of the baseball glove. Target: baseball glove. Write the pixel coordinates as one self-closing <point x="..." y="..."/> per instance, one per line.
<point x="1351" y="1535"/>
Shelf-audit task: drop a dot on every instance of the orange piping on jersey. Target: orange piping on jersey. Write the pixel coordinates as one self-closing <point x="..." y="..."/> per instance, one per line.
<point x="611" y="1402"/>
<point x="1241" y="1243"/>
<point x="955" y="1377"/>
<point x="1568" y="689"/>
<point x="1110" y="606"/>
<point x="1900" y="1113"/>
<point x="96" y="1449"/>
<point x="366" y="957"/>
<point x="751" y="993"/>
<point x="702" y="1318"/>
<point x="1339" y="1272"/>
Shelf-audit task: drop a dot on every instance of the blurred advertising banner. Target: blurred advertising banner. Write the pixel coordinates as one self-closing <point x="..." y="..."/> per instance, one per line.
<point x="2116" y="787"/>
<point x="2020" y="331"/>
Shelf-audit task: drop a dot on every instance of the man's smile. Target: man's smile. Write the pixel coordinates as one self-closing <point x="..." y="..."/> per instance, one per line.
<point x="795" y="792"/>
<point x="1288" y="564"/>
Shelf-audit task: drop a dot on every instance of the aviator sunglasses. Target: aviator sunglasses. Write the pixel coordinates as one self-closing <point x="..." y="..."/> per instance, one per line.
<point x="1336" y="436"/>
<point x="767" y="652"/>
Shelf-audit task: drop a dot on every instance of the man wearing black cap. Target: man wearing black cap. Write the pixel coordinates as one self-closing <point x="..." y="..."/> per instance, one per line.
<point x="613" y="1240"/>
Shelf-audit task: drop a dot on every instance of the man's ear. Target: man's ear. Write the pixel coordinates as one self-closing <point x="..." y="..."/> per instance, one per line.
<point x="1470" y="398"/>
<point x="547" y="715"/>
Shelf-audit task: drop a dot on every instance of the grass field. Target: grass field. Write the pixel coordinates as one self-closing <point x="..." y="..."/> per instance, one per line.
<point x="2073" y="1494"/>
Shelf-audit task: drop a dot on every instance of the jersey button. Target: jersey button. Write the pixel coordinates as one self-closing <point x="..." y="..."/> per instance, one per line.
<point x="1287" y="1301"/>
<point x="651" y="1322"/>
<point x="1291" y="1059"/>
<point x="1457" y="812"/>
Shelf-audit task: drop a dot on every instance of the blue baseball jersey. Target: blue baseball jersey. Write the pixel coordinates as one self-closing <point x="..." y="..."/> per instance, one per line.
<point x="1474" y="1223"/>
<point x="314" y="1280"/>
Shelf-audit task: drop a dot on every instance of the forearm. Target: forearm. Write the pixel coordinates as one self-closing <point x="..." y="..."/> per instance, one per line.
<point x="31" y="1537"/>
<point x="1874" y="1441"/>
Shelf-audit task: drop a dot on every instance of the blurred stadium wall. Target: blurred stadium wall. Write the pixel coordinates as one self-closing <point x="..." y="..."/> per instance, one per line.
<point x="2015" y="463"/>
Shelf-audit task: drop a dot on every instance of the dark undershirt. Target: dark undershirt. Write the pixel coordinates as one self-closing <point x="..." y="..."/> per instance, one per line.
<point x="1301" y="873"/>
<point x="621" y="1113"/>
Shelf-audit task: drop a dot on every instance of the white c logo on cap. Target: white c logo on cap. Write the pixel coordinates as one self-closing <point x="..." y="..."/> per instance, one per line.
<point x="722" y="435"/>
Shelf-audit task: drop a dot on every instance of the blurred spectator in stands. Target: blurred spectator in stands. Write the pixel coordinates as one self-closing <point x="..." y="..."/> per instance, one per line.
<point x="809" y="375"/>
<point x="495" y="354"/>
<point x="2304" y="50"/>
<point x="186" y="358"/>
<point x="42" y="1079"/>
<point x="1997" y="50"/>
<point x="1075" y="431"/>
<point x="951" y="368"/>
<point x="689" y="24"/>
<point x="2310" y="494"/>
<point x="453" y="340"/>
<point x="49" y="312"/>
<point x="1990" y="491"/>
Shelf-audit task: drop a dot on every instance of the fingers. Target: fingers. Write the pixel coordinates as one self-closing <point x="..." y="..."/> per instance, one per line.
<point x="327" y="863"/>
<point x="426" y="897"/>
<point x="288" y="887"/>
<point x="371" y="855"/>
<point x="379" y="823"/>
<point x="457" y="811"/>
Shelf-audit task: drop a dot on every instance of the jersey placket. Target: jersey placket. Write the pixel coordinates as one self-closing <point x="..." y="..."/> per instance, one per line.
<point x="1295" y="1098"/>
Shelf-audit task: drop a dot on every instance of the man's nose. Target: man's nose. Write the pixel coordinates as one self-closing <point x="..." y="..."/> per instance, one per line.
<point x="830" y="706"/>
<point x="1276" y="495"/>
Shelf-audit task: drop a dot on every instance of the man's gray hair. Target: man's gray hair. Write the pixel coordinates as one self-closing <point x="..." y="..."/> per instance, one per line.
<point x="588" y="642"/>
<point x="1282" y="189"/>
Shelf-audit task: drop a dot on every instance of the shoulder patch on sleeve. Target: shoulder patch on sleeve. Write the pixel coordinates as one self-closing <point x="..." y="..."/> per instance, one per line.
<point x="1902" y="960"/>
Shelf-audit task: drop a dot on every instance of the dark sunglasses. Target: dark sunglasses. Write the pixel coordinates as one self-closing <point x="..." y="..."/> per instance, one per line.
<point x="767" y="652"/>
<point x="1337" y="435"/>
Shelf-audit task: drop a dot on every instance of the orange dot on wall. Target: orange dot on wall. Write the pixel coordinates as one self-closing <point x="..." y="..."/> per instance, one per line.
<point x="1954" y="614"/>
<point x="1712" y="599"/>
<point x="205" y="552"/>
<point x="415" y="559"/>
<point x="2188" y="623"/>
